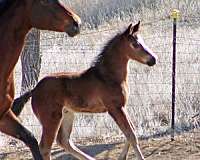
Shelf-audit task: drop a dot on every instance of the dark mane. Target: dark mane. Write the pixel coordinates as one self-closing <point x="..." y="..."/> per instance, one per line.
<point x="5" y="5"/>
<point x="99" y="58"/>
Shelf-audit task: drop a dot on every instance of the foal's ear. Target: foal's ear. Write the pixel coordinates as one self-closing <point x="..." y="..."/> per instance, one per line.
<point x="136" y="27"/>
<point x="129" y="29"/>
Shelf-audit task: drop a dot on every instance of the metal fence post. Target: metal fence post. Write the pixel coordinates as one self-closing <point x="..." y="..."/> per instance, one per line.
<point x="174" y="15"/>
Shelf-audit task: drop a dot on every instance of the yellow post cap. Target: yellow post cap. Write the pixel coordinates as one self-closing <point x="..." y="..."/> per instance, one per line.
<point x="175" y="14"/>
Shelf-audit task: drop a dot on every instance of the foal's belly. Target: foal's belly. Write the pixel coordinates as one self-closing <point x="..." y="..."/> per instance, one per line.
<point x="79" y="104"/>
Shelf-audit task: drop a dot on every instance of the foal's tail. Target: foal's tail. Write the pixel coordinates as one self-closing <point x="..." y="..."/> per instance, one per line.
<point x="19" y="103"/>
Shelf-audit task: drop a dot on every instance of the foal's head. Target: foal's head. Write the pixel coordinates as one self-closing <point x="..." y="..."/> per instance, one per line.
<point x="52" y="15"/>
<point x="135" y="47"/>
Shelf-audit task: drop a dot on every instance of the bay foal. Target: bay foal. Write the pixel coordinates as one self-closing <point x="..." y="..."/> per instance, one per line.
<point x="17" y="17"/>
<point x="101" y="88"/>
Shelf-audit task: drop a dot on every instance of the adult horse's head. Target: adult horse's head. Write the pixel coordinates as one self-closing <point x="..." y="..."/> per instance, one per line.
<point x="52" y="15"/>
<point x="136" y="48"/>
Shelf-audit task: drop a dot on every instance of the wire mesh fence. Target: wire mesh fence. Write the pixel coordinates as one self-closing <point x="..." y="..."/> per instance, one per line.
<point x="149" y="103"/>
<point x="150" y="88"/>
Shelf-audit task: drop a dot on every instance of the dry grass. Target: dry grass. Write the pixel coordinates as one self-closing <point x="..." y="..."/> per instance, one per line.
<point x="150" y="88"/>
<point x="98" y="12"/>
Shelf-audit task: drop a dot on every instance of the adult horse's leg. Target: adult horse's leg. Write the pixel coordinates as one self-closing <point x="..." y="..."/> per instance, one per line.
<point x="121" y="118"/>
<point x="63" y="137"/>
<point x="6" y="92"/>
<point x="9" y="123"/>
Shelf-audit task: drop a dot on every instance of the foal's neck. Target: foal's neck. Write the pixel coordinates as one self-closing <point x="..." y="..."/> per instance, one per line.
<point x="114" y="65"/>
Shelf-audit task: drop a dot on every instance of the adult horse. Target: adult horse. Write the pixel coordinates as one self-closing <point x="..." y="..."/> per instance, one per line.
<point x="17" y="17"/>
<point x="101" y="88"/>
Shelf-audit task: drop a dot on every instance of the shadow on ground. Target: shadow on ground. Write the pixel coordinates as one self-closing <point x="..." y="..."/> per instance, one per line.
<point x="93" y="150"/>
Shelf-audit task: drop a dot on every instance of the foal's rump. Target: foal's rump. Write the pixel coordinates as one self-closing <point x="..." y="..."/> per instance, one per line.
<point x="20" y="102"/>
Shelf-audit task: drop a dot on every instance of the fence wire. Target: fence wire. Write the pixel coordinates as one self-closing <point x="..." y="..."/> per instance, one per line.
<point x="149" y="102"/>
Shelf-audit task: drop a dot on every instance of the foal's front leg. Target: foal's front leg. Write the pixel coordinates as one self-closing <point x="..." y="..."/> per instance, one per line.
<point x="124" y="154"/>
<point x="63" y="137"/>
<point x="122" y="119"/>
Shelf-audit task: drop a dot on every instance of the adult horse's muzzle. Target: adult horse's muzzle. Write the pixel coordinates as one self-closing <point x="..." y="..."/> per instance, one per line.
<point x="74" y="29"/>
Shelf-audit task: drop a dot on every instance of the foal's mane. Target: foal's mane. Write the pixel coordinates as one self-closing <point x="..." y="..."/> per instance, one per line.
<point x="108" y="47"/>
<point x="5" y="5"/>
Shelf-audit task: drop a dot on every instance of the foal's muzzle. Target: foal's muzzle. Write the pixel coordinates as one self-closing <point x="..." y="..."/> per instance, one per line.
<point x="152" y="61"/>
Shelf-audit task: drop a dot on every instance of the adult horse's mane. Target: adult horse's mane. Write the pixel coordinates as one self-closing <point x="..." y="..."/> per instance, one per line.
<point x="5" y="5"/>
<point x="108" y="46"/>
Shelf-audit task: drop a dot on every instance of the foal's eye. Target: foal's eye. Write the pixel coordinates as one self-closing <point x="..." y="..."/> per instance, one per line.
<point x="135" y="44"/>
<point x="134" y="41"/>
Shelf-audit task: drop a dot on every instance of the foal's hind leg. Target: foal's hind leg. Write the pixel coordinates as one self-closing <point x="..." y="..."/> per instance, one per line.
<point x="63" y="137"/>
<point x="50" y="119"/>
<point x="121" y="118"/>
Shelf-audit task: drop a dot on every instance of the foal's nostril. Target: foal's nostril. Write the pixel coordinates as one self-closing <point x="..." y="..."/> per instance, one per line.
<point x="151" y="62"/>
<point x="76" y="24"/>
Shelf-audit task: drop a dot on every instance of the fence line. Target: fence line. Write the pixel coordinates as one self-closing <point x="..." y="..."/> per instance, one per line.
<point x="149" y="87"/>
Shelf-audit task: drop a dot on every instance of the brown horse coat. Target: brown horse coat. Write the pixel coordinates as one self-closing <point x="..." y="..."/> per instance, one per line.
<point x="101" y="88"/>
<point x="17" y="17"/>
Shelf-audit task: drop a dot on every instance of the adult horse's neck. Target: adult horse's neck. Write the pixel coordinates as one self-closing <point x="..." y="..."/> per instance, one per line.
<point x="13" y="29"/>
<point x="113" y="63"/>
<point x="5" y="5"/>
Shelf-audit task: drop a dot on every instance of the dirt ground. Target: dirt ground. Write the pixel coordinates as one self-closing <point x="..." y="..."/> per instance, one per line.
<point x="185" y="147"/>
